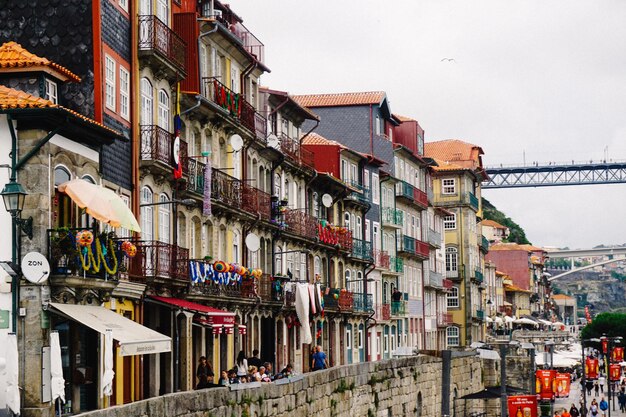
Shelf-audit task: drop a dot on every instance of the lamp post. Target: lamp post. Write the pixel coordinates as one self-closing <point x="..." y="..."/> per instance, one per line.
<point x="584" y="385"/>
<point x="503" y="395"/>
<point x="608" y="342"/>
<point x="13" y="195"/>
<point x="531" y="354"/>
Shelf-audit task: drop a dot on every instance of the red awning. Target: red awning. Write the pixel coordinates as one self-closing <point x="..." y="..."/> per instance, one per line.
<point x="214" y="315"/>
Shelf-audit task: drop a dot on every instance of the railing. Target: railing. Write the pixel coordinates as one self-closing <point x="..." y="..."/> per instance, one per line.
<point x="453" y="274"/>
<point x="378" y="312"/>
<point x="484" y="244"/>
<point x="422" y="249"/>
<point x="250" y="42"/>
<point x="301" y="223"/>
<point x="65" y="256"/>
<point x="362" y="249"/>
<point x="408" y="244"/>
<point x="255" y="201"/>
<point x="447" y="284"/>
<point x="444" y="319"/>
<point x="396" y="264"/>
<point x="338" y="299"/>
<point x="480" y="314"/>
<point x="451" y="200"/>
<point x="195" y="176"/>
<point x="381" y="258"/>
<point x="362" y="193"/>
<point x="346" y="300"/>
<point x="156" y="144"/>
<point x="392" y="216"/>
<point x="434" y="238"/>
<point x="398" y="308"/>
<point x="260" y="127"/>
<point x="478" y="276"/>
<point x="155" y="259"/>
<point x="435" y="279"/>
<point x="307" y="157"/>
<point x="332" y="235"/>
<point x="362" y="302"/>
<point x="386" y="312"/>
<point x="263" y="288"/>
<point x="404" y="189"/>
<point x="234" y="103"/>
<point x="420" y="198"/>
<point x="473" y="201"/>
<point x="154" y="35"/>
<point x="226" y="189"/>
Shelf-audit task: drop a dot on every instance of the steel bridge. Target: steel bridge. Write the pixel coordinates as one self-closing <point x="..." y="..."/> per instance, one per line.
<point x="554" y="174"/>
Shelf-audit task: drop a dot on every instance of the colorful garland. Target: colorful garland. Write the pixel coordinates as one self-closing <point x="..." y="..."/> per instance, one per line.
<point x="88" y="261"/>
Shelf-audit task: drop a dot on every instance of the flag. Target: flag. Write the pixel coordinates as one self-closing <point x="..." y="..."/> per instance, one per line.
<point x="178" y="164"/>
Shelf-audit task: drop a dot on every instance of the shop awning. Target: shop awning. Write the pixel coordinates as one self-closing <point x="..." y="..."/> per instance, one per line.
<point x="134" y="339"/>
<point x="214" y="316"/>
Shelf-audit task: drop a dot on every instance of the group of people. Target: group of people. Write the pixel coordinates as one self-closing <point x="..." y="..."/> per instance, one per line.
<point x="595" y="409"/>
<point x="251" y="369"/>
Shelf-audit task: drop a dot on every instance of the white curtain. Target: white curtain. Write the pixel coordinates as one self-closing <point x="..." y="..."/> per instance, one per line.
<point x="12" y="373"/>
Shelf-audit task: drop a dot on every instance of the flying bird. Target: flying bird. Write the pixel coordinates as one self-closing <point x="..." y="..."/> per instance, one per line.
<point x="448" y="59"/>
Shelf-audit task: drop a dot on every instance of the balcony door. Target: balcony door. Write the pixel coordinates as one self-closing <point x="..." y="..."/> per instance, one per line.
<point x="145" y="7"/>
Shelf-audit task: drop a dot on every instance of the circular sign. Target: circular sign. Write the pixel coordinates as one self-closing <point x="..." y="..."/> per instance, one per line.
<point x="272" y="141"/>
<point x="35" y="267"/>
<point x="252" y="242"/>
<point x="236" y="142"/>
<point x="176" y="150"/>
<point x="327" y="200"/>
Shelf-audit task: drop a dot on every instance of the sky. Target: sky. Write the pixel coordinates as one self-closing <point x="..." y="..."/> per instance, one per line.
<point x="529" y="81"/>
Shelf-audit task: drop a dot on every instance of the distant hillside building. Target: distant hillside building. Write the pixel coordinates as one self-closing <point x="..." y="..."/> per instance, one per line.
<point x="494" y="231"/>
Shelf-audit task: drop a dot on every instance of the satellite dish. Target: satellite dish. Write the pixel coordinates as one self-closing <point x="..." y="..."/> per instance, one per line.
<point x="273" y="142"/>
<point x="236" y="142"/>
<point x="327" y="200"/>
<point x="35" y="267"/>
<point x="252" y="242"/>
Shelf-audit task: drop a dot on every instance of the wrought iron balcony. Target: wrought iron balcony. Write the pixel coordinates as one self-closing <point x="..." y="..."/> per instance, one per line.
<point x="195" y="176"/>
<point x="447" y="284"/>
<point x="386" y="312"/>
<point x="484" y="244"/>
<point x="362" y="249"/>
<point x="405" y="190"/>
<point x="478" y="276"/>
<point x="296" y="154"/>
<point x="408" y="245"/>
<point x="156" y="145"/>
<point x="420" y="198"/>
<point x="392" y="217"/>
<point x="398" y="308"/>
<point x="362" y="302"/>
<point x="301" y="223"/>
<point x="434" y="238"/>
<point x="452" y="200"/>
<point x="453" y="274"/>
<point x="156" y="38"/>
<point x="381" y="258"/>
<point x="414" y="247"/>
<point x="334" y="235"/>
<point x="263" y="288"/>
<point x="396" y="264"/>
<point x="157" y="261"/>
<point x="435" y="279"/>
<point x="362" y="193"/>
<point x="256" y="201"/>
<point x="480" y="314"/>
<point x="226" y="189"/>
<point x="338" y="299"/>
<point x="234" y="103"/>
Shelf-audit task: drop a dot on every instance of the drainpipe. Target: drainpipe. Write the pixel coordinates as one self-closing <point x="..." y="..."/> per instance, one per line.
<point x="195" y="106"/>
<point x="371" y="130"/>
<point x="202" y="35"/>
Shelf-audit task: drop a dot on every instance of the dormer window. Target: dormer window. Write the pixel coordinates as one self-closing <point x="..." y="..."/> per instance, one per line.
<point x="51" y="91"/>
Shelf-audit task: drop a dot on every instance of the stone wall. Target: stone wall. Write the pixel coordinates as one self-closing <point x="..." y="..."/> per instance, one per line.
<point x="398" y="387"/>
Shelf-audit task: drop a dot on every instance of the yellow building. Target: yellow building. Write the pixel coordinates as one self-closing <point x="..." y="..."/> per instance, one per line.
<point x="456" y="186"/>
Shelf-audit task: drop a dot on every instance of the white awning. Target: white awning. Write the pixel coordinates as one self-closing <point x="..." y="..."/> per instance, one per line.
<point x="488" y="354"/>
<point x="134" y="338"/>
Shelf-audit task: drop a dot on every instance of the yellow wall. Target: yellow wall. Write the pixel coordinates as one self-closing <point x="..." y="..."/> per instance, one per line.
<point x="127" y="309"/>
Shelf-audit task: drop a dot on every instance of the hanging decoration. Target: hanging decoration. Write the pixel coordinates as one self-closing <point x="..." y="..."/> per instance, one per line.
<point x="129" y="249"/>
<point x="220" y="273"/>
<point x="92" y="261"/>
<point x="84" y="238"/>
<point x="206" y="203"/>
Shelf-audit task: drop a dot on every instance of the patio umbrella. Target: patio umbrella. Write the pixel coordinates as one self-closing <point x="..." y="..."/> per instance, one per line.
<point x="107" y="376"/>
<point x="489" y="319"/>
<point x="101" y="203"/>
<point x="57" y="383"/>
<point x="524" y="320"/>
<point x="12" y="374"/>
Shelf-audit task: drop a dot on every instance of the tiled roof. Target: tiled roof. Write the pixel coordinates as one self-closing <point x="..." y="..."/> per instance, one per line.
<point x="514" y="288"/>
<point x="492" y="223"/>
<point x="317" y="139"/>
<point x="446" y="166"/>
<point x="340" y="99"/>
<point x="12" y="55"/>
<point x="532" y="248"/>
<point x="505" y="246"/>
<point x="14" y="99"/>
<point x="561" y="297"/>
<point x="454" y="152"/>
<point x="403" y="118"/>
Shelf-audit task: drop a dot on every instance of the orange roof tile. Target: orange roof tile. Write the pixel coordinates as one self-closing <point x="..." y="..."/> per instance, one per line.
<point x="404" y="118"/>
<point x="514" y="288"/>
<point x="492" y="223"/>
<point x="505" y="246"/>
<point x="13" y="56"/>
<point x="454" y="152"/>
<point x="317" y="139"/>
<point x="340" y="99"/>
<point x="14" y="99"/>
<point x="561" y="297"/>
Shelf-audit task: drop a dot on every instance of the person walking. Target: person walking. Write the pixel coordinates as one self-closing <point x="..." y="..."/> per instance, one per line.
<point x="573" y="411"/>
<point x="565" y="413"/>
<point x="596" y="388"/>
<point x="601" y="382"/>
<point x="621" y="399"/>
<point x="593" y="409"/>
<point x="242" y="365"/>
<point x="204" y="373"/>
<point x="320" y="361"/>
<point x="604" y="406"/>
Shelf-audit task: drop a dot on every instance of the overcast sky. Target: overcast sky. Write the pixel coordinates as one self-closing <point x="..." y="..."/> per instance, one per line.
<point x="530" y="80"/>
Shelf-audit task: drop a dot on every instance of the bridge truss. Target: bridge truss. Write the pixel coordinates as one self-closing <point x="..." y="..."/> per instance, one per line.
<point x="555" y="175"/>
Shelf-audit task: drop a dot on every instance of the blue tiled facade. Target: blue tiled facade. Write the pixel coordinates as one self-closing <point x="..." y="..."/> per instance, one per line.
<point x="116" y="161"/>
<point x="115" y="30"/>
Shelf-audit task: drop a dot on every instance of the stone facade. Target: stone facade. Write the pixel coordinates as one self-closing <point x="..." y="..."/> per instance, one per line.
<point x="396" y="387"/>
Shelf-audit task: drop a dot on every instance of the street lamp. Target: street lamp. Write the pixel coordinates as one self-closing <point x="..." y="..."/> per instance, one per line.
<point x="584" y="382"/>
<point x="503" y="395"/>
<point x="531" y="353"/>
<point x="608" y="341"/>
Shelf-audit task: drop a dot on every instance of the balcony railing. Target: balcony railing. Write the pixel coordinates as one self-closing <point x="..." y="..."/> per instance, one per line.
<point x="338" y="299"/>
<point x="362" y="249"/>
<point x="255" y="201"/>
<point x="484" y="244"/>
<point x="386" y="312"/>
<point x="300" y="223"/>
<point x="65" y="256"/>
<point x="392" y="216"/>
<point x="250" y="42"/>
<point x="422" y="249"/>
<point x="362" y="193"/>
<point x="307" y="158"/>
<point x="381" y="258"/>
<point x="453" y="274"/>
<point x="451" y="200"/>
<point x="478" y="276"/>
<point x="362" y="302"/>
<point x="396" y="264"/>
<point x="226" y="189"/>
<point x="480" y="314"/>
<point x="154" y="35"/>
<point x="473" y="201"/>
<point x="408" y="244"/>
<point x="435" y="279"/>
<point x="234" y="103"/>
<point x="434" y="238"/>
<point x="447" y="284"/>
<point x="444" y="319"/>
<point x="398" y="308"/>
<point x="195" y="176"/>
<point x="156" y="144"/>
<point x="260" y="127"/>
<point x="420" y="198"/>
<point x="405" y="190"/>
<point x="296" y="154"/>
<point x="155" y="259"/>
<point x="332" y="235"/>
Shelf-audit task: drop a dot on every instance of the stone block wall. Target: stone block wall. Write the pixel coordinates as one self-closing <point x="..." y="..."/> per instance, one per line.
<point x="398" y="387"/>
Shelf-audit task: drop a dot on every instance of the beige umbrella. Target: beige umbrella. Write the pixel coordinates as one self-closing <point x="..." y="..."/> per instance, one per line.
<point x="101" y="203"/>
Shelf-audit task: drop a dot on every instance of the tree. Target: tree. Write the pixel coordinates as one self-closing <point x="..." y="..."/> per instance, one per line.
<point x="609" y="324"/>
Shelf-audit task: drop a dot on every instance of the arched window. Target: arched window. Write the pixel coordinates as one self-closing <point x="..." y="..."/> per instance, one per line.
<point x="452" y="334"/>
<point x="358" y="229"/>
<point x="358" y="287"/>
<point x="62" y="204"/>
<point x="278" y="260"/>
<point x="164" y="218"/>
<point x="346" y="220"/>
<point x="85" y="218"/>
<point x="146" y="102"/>
<point x="316" y="205"/>
<point x="277" y="185"/>
<point x="453" y="297"/>
<point x="452" y="259"/>
<point x="164" y="110"/>
<point x="348" y="277"/>
<point x="146" y="214"/>
<point x="317" y="267"/>
<point x="236" y="246"/>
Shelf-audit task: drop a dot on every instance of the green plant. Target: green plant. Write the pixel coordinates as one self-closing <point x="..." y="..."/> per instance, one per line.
<point x="333" y="403"/>
<point x="343" y="387"/>
<point x="376" y="400"/>
<point x="400" y="373"/>
<point x="231" y="403"/>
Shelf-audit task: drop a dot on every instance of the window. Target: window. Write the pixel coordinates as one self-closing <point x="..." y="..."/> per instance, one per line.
<point x="452" y="259"/>
<point x="386" y="343"/>
<point x="453" y="298"/>
<point x="163" y="11"/>
<point x="124" y="93"/>
<point x="348" y="280"/>
<point x="367" y="231"/>
<point x="375" y="189"/>
<point x="164" y="111"/>
<point x="109" y="74"/>
<point x="376" y="228"/>
<point x="277" y="183"/>
<point x="164" y="219"/>
<point x="453" y="336"/>
<point x="354" y="176"/>
<point x="235" y="247"/>
<point x="448" y="186"/>
<point x="344" y="170"/>
<point x="449" y="222"/>
<point x="51" y="91"/>
<point x="146" y="102"/>
<point x="359" y="229"/>
<point x="346" y="220"/>
<point x="360" y="338"/>
<point x="146" y="214"/>
<point x="317" y="267"/>
<point x="278" y="260"/>
<point x="348" y="338"/>
<point x="316" y="205"/>
<point x="378" y="126"/>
